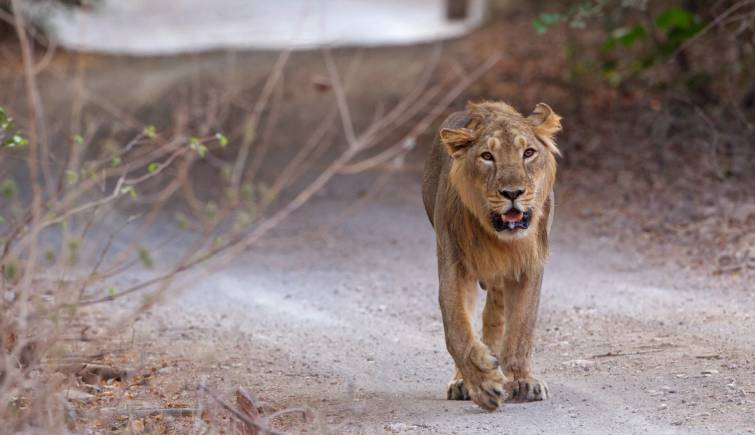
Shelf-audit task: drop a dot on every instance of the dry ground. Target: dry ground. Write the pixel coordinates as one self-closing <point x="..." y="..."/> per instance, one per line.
<point x="337" y="313"/>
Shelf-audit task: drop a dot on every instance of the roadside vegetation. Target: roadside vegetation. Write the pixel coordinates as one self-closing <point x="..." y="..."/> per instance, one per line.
<point x="659" y="106"/>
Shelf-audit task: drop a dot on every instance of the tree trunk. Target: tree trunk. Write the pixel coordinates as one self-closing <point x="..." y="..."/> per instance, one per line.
<point x="457" y="9"/>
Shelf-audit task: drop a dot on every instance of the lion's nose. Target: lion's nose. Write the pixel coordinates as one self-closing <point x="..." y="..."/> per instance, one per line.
<point x="511" y="194"/>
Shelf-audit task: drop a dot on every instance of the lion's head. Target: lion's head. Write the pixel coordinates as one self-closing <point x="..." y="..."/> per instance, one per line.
<point x="504" y="165"/>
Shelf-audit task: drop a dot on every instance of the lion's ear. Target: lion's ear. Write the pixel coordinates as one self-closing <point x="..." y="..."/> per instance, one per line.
<point x="546" y="123"/>
<point x="457" y="139"/>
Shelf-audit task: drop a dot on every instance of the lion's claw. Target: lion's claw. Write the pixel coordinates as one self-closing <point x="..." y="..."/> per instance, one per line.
<point x="488" y="395"/>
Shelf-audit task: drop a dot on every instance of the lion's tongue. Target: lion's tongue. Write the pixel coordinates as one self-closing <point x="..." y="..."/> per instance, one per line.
<point x="513" y="216"/>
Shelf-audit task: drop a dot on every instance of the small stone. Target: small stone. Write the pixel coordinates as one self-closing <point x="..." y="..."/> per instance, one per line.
<point x="397" y="427"/>
<point x="585" y="364"/>
<point x="709" y="372"/>
<point x="662" y="406"/>
<point x="166" y="370"/>
<point x="77" y="395"/>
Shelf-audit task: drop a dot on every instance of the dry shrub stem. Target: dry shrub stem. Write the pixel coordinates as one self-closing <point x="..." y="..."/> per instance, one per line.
<point x="78" y="197"/>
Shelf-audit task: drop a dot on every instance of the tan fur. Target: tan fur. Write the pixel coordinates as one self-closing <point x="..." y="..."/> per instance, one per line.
<point x="461" y="190"/>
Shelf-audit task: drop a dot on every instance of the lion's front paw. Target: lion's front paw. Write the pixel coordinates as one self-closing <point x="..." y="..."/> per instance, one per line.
<point x="527" y="390"/>
<point x="483" y="378"/>
<point x="488" y="393"/>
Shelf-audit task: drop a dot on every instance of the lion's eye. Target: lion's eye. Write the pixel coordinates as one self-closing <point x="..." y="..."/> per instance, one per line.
<point x="529" y="152"/>
<point x="487" y="156"/>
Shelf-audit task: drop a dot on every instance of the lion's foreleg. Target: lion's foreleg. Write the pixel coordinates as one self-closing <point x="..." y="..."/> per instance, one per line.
<point x="479" y="367"/>
<point x="493" y="320"/>
<point x="521" y="301"/>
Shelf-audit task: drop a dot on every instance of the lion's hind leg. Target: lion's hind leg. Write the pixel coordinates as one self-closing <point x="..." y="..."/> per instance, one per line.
<point x="456" y="389"/>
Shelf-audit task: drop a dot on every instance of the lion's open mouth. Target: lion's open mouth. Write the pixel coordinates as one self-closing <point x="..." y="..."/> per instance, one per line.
<point x="512" y="220"/>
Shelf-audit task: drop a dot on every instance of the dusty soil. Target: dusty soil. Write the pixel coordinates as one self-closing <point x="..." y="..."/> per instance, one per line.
<point x="337" y="313"/>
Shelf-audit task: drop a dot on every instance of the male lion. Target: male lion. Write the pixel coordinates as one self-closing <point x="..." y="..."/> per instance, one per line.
<point x="488" y="191"/>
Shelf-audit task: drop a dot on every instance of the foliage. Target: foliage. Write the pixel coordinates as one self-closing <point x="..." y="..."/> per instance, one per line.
<point x="10" y="137"/>
<point x="635" y="38"/>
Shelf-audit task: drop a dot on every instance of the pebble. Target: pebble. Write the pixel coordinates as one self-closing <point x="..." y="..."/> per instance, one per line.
<point x="585" y="364"/>
<point x="166" y="370"/>
<point x="709" y="372"/>
<point x="397" y="427"/>
<point x="77" y="395"/>
<point x="662" y="406"/>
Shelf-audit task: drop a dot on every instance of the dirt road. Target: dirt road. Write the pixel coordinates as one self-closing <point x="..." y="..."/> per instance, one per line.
<point x="337" y="312"/>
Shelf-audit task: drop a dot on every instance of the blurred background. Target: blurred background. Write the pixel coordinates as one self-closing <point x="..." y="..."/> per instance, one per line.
<point x="197" y="196"/>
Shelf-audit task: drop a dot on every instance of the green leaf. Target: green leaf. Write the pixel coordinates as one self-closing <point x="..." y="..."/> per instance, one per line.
<point x="72" y="176"/>
<point x="146" y="258"/>
<point x="115" y="162"/>
<point x="150" y="131"/>
<point x="197" y="146"/>
<point x="8" y="188"/>
<point x="539" y="26"/>
<point x="130" y="191"/>
<point x="627" y="36"/>
<point x="545" y="20"/>
<point x="222" y="140"/>
<point x="111" y="292"/>
<point x="674" y="17"/>
<point x="550" y="18"/>
<point x="10" y="271"/>
<point x="4" y="119"/>
<point x="152" y="167"/>
<point x="265" y="193"/>
<point x="211" y="209"/>
<point x="182" y="220"/>
<point x="77" y="139"/>
<point x="202" y="151"/>
<point x="16" y="140"/>
<point x="74" y="247"/>
<point x="6" y="122"/>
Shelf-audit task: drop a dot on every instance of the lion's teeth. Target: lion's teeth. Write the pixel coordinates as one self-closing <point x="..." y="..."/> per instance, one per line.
<point x="511" y="225"/>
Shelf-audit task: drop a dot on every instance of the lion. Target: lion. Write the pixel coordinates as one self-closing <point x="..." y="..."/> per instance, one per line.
<point x="488" y="192"/>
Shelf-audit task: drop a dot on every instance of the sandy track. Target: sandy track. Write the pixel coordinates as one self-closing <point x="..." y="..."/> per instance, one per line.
<point x="337" y="312"/>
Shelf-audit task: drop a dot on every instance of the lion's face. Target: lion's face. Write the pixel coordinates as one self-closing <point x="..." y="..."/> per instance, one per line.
<point x="504" y="166"/>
